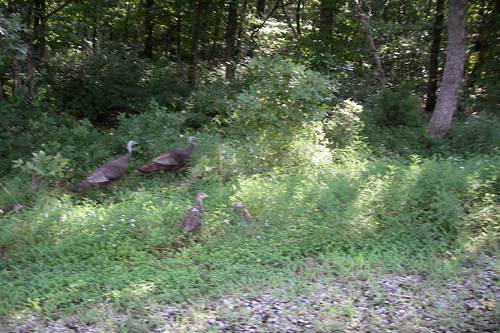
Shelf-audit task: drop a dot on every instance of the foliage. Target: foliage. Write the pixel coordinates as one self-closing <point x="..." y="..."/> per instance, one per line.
<point x="343" y="125"/>
<point x="414" y="209"/>
<point x="154" y="130"/>
<point x="468" y="137"/>
<point x="208" y="102"/>
<point x="13" y="47"/>
<point x="43" y="165"/>
<point x="355" y="185"/>
<point x="280" y="95"/>
<point x="92" y="84"/>
<point x="396" y="108"/>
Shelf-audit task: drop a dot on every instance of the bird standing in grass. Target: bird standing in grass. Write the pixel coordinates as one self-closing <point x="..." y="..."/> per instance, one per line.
<point x="243" y="212"/>
<point x="192" y="219"/>
<point x="172" y="161"/>
<point x="106" y="173"/>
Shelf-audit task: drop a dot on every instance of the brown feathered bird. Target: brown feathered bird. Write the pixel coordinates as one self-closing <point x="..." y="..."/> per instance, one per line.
<point x="243" y="212"/>
<point x="108" y="172"/>
<point x="172" y="161"/>
<point x="192" y="219"/>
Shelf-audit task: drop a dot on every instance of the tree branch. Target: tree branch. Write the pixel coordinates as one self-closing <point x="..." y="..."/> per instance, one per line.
<point x="276" y="4"/>
<point x="58" y="9"/>
<point x="288" y="21"/>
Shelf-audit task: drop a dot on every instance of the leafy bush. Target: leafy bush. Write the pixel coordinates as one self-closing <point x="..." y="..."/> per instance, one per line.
<point x="89" y="85"/>
<point x="42" y="167"/>
<point x="11" y="42"/>
<point x="154" y="130"/>
<point x="474" y="136"/>
<point x="280" y="96"/>
<point x="396" y="108"/>
<point x="343" y="125"/>
<point x="207" y="102"/>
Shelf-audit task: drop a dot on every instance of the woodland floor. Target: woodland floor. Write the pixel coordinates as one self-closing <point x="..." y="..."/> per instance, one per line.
<point x="464" y="301"/>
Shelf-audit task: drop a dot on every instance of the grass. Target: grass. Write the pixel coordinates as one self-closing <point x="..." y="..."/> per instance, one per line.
<point x="67" y="255"/>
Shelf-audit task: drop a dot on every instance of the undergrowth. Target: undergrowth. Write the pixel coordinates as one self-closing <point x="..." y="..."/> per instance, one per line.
<point x="323" y="182"/>
<point x="65" y="253"/>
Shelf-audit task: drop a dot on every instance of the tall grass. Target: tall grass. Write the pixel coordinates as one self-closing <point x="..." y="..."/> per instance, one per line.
<point x="64" y="253"/>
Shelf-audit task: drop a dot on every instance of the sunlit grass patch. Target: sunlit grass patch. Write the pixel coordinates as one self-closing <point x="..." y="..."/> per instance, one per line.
<point x="125" y="247"/>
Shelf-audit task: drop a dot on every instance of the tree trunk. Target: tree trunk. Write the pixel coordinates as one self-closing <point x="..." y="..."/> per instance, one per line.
<point x="261" y="6"/>
<point x="39" y="30"/>
<point x="16" y="74"/>
<point x="298" y="17"/>
<point x="437" y="30"/>
<point x="214" y="45"/>
<point x="30" y="83"/>
<point x="2" y="90"/>
<point x="125" y="22"/>
<point x="230" y="39"/>
<point x="453" y="71"/>
<point x="241" y="28"/>
<point x="197" y="26"/>
<point x="178" y="37"/>
<point x="371" y="41"/>
<point x="326" y="24"/>
<point x="148" y="28"/>
<point x="94" y="34"/>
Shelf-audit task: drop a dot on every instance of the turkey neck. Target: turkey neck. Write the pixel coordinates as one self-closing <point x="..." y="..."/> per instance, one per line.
<point x="199" y="204"/>
<point x="126" y="157"/>
<point x="190" y="148"/>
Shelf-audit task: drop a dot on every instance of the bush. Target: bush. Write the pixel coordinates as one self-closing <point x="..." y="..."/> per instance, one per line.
<point x="396" y="108"/>
<point x="207" y="102"/>
<point x="154" y="130"/>
<point x="42" y="167"/>
<point x="91" y="84"/>
<point x="280" y="96"/>
<point x="343" y="125"/>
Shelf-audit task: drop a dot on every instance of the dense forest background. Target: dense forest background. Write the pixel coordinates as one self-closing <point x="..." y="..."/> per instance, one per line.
<point x="363" y="135"/>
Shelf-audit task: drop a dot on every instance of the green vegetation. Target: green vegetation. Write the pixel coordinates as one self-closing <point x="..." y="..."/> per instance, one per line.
<point x="343" y="182"/>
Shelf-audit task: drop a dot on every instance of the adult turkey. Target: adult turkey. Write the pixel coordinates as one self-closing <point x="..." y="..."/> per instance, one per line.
<point x="106" y="173"/>
<point x="172" y="161"/>
<point x="192" y="219"/>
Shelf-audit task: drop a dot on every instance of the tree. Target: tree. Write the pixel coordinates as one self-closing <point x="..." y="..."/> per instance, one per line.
<point x="196" y="30"/>
<point x="453" y="73"/>
<point x="148" y="28"/>
<point x="261" y="6"/>
<point x="230" y="38"/>
<point x="371" y="41"/>
<point x="437" y="30"/>
<point x="39" y="47"/>
<point x="326" y="23"/>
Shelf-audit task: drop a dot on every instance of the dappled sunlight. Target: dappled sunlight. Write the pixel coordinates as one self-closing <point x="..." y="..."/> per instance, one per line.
<point x="289" y="166"/>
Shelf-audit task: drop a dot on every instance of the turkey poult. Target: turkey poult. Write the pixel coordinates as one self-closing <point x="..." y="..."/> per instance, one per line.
<point x="172" y="161"/>
<point x="243" y="212"/>
<point x="192" y="219"/>
<point x="107" y="173"/>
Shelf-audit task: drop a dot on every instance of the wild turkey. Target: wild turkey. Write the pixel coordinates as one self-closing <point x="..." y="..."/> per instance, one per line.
<point x="192" y="219"/>
<point x="243" y="212"/>
<point x="172" y="161"/>
<point x="108" y="172"/>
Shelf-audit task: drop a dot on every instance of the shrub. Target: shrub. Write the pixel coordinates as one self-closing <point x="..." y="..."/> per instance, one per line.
<point x="343" y="125"/>
<point x="42" y="167"/>
<point x="90" y="84"/>
<point x="281" y="95"/>
<point x="154" y="130"/>
<point x="207" y="103"/>
<point x="396" y="108"/>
